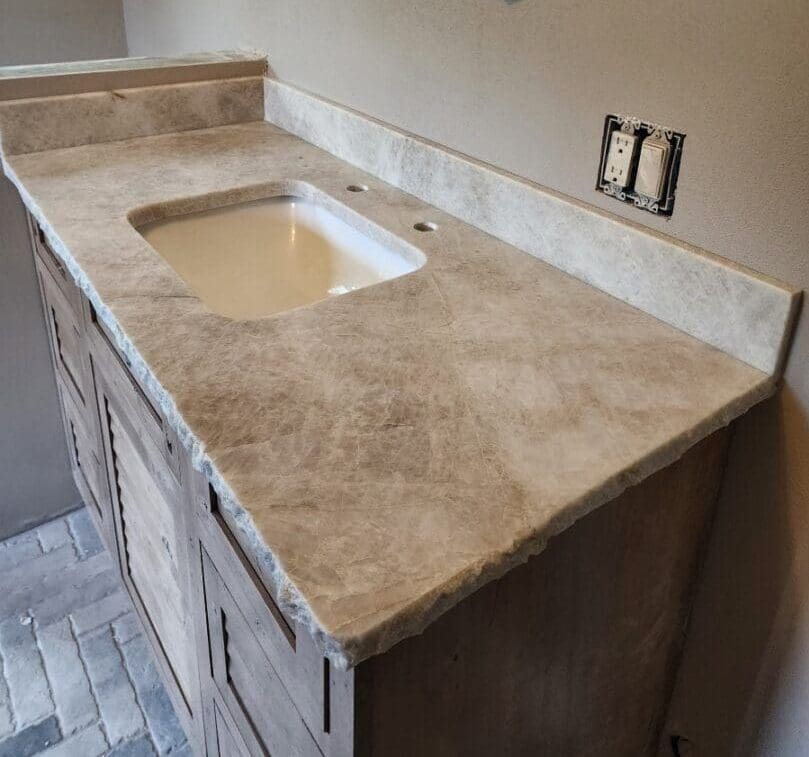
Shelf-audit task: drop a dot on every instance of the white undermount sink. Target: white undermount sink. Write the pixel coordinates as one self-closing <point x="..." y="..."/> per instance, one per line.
<point x="261" y="257"/>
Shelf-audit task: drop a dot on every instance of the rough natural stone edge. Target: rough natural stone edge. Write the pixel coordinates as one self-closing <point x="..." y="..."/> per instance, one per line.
<point x="346" y="652"/>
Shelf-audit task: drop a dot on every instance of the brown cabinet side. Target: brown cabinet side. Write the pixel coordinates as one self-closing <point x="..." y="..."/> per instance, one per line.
<point x="572" y="653"/>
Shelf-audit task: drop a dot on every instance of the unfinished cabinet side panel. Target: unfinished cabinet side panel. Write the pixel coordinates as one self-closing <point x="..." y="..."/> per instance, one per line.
<point x="573" y="652"/>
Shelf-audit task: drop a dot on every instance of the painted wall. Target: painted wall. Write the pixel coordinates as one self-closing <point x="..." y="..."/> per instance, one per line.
<point x="525" y="85"/>
<point x="34" y="470"/>
<point x="49" y="31"/>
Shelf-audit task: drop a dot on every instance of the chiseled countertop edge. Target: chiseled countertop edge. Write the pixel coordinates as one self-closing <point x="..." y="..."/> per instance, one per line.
<point x="126" y="65"/>
<point x="428" y="607"/>
<point x="346" y="652"/>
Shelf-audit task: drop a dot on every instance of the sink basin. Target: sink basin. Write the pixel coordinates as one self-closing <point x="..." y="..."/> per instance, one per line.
<point x="261" y="257"/>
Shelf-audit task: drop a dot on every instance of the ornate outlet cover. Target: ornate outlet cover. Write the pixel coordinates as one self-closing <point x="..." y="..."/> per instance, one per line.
<point x="663" y="206"/>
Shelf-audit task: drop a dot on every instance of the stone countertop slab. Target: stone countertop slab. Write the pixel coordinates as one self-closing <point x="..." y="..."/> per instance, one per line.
<point x="386" y="452"/>
<point x="48" y="79"/>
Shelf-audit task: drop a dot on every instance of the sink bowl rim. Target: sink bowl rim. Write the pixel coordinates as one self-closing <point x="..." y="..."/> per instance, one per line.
<point x="295" y="189"/>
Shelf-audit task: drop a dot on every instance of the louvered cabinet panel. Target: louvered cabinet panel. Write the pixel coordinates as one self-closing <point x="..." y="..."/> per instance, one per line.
<point x="67" y="340"/>
<point x="149" y="506"/>
<point x="246" y="681"/>
<point x="151" y="549"/>
<point x="87" y="469"/>
<point x="63" y="306"/>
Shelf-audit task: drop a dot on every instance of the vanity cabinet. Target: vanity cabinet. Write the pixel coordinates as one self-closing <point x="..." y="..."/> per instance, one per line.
<point x="573" y="652"/>
<point x="242" y="679"/>
<point x="129" y="471"/>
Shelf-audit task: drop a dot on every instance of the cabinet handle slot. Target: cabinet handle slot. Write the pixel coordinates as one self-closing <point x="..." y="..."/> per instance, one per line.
<point x="52" y="256"/>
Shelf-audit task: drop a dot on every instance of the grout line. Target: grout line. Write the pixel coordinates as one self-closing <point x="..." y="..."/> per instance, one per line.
<point x="34" y="626"/>
<point x="73" y="545"/>
<point x="73" y="538"/>
<point x="106" y="623"/>
<point x="101" y="724"/>
<point x="12" y="714"/>
<point x="119" y="648"/>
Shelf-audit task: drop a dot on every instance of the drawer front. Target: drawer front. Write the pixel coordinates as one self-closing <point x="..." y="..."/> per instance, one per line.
<point x="246" y="680"/>
<point x="132" y="394"/>
<point x="67" y="340"/>
<point x="55" y="266"/>
<point x="86" y="461"/>
<point x="321" y="695"/>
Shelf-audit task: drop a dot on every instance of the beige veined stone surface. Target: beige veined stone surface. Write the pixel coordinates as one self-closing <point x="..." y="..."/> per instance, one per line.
<point x="387" y="451"/>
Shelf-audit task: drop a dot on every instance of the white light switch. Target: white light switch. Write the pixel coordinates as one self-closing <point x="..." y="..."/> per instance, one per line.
<point x="619" y="158"/>
<point x="654" y="158"/>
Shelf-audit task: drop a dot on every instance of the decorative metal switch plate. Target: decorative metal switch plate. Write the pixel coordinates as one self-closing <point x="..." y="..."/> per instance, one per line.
<point x="654" y="167"/>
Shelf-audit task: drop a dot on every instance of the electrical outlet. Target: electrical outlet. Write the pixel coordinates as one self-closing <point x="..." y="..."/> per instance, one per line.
<point x="640" y="163"/>
<point x="618" y="168"/>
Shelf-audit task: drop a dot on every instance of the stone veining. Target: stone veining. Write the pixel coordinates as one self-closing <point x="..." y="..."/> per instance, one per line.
<point x="740" y="312"/>
<point x="47" y="123"/>
<point x="386" y="452"/>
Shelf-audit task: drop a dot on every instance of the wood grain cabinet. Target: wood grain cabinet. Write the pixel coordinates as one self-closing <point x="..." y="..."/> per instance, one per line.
<point x="573" y="653"/>
<point x="148" y="504"/>
<point x="265" y="681"/>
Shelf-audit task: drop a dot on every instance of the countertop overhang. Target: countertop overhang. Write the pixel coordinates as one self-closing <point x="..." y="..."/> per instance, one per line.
<point x="386" y="452"/>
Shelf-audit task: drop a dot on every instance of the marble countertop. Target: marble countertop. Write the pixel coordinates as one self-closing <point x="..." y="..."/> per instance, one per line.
<point x="388" y="451"/>
<point x="119" y="65"/>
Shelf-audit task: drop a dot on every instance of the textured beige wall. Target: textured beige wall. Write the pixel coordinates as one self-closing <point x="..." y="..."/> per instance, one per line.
<point x="49" y="31"/>
<point x="525" y="85"/>
<point x="34" y="470"/>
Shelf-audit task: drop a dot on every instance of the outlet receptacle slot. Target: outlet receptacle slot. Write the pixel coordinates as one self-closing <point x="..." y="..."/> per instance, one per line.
<point x="617" y="171"/>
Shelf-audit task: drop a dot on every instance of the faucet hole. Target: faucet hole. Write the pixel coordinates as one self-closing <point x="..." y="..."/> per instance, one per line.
<point x="425" y="226"/>
<point x="357" y="188"/>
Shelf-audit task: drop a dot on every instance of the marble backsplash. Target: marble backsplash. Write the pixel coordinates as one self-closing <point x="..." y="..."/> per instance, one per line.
<point x="49" y="123"/>
<point x="737" y="310"/>
<point x="729" y="307"/>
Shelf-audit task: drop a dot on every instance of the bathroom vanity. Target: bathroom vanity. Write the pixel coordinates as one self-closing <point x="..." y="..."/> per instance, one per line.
<point x="446" y="500"/>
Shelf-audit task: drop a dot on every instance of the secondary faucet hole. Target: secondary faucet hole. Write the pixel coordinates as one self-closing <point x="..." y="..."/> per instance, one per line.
<point x="357" y="188"/>
<point x="425" y="226"/>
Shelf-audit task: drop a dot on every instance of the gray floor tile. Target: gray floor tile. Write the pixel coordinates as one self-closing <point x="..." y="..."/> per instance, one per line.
<point x="76" y="672"/>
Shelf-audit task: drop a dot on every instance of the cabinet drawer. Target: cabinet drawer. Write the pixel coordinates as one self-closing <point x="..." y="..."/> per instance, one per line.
<point x="246" y="680"/>
<point x="317" y="690"/>
<point x="131" y="393"/>
<point x="302" y="669"/>
<point x="55" y="266"/>
<point x="67" y="341"/>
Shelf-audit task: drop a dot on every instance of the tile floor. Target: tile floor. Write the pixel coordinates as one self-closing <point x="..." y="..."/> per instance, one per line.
<point x="77" y="678"/>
